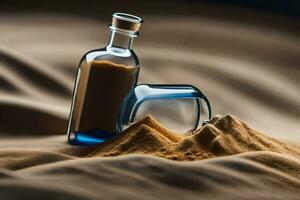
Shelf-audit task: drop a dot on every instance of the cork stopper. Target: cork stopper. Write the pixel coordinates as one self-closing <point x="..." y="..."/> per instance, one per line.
<point x="126" y="22"/>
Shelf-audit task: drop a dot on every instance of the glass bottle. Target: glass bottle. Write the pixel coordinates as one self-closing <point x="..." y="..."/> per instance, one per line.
<point x="104" y="77"/>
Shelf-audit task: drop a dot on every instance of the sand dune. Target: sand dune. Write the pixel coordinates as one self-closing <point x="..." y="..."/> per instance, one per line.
<point x="225" y="135"/>
<point x="245" y="176"/>
<point x="14" y="159"/>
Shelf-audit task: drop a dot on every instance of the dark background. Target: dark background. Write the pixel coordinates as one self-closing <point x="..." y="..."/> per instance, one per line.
<point x="285" y="7"/>
<point x="280" y="13"/>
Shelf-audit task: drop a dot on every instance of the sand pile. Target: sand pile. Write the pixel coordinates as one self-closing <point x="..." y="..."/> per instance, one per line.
<point x="224" y="135"/>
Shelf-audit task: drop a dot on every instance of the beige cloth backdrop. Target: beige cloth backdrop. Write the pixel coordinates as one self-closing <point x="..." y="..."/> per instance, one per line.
<point x="246" y="70"/>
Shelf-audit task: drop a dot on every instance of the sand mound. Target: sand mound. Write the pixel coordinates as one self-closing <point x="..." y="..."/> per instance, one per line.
<point x="224" y="135"/>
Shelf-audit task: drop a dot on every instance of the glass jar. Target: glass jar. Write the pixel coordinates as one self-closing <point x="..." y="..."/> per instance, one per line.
<point x="104" y="77"/>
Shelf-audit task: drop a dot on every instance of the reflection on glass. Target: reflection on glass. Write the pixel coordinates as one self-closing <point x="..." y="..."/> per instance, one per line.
<point x="182" y="108"/>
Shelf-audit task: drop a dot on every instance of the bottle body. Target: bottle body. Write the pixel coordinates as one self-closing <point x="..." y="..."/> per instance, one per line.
<point x="103" y="79"/>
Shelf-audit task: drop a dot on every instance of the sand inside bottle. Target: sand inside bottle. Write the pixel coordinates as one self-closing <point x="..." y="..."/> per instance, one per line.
<point x="102" y="86"/>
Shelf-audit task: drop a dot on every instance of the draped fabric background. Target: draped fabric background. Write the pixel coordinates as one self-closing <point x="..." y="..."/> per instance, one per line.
<point x="245" y="70"/>
<point x="247" y="62"/>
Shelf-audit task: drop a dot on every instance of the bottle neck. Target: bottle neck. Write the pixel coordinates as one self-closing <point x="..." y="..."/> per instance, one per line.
<point x="120" y="40"/>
